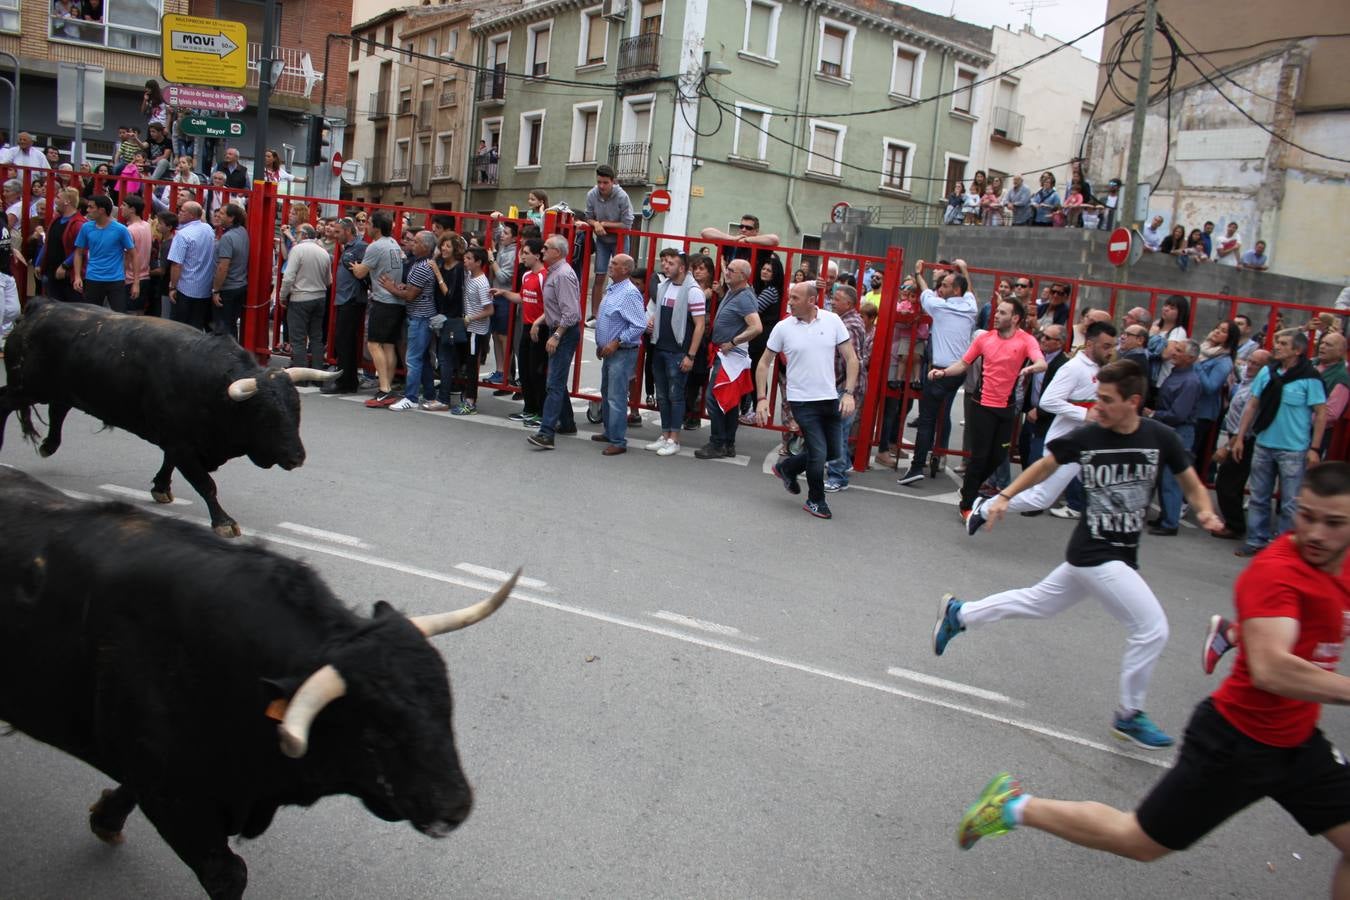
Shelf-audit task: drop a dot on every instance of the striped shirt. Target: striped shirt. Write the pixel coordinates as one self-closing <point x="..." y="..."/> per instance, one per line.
<point x="476" y="297"/>
<point x="421" y="276"/>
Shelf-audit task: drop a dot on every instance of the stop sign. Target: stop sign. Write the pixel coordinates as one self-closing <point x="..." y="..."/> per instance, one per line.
<point x="1118" y="247"/>
<point x="660" y="200"/>
<point x="337" y="163"/>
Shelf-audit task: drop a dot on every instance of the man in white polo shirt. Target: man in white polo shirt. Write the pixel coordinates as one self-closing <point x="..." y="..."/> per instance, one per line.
<point x="810" y="338"/>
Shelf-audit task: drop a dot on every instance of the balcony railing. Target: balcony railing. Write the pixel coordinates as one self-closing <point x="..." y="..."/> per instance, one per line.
<point x="420" y="180"/>
<point x="1008" y="125"/>
<point x="449" y="97"/>
<point x="425" y="115"/>
<point x="492" y="86"/>
<point x="639" y="56"/>
<point x="444" y="170"/>
<point x="630" y="162"/>
<point x="378" y="107"/>
<point x="298" y="75"/>
<point x="377" y="169"/>
<point x="399" y="171"/>
<point x="483" y="170"/>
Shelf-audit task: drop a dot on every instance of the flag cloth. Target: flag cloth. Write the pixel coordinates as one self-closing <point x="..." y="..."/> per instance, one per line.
<point x="733" y="380"/>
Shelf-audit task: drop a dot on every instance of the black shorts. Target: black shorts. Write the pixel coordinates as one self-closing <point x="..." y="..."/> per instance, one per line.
<point x="501" y="315"/>
<point x="1221" y="771"/>
<point x="386" y="323"/>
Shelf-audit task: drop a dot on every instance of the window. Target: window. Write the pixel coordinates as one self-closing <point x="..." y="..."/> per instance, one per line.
<point x="531" y="139"/>
<point x="649" y="17"/>
<point x="594" y="38"/>
<point x="433" y="44"/>
<point x="827" y="144"/>
<point x="585" y="128"/>
<point x="125" y="25"/>
<point x="445" y="146"/>
<point x="404" y="101"/>
<point x="896" y="159"/>
<point x="453" y="46"/>
<point x="402" y="150"/>
<point x="750" y="140"/>
<point x="761" y="29"/>
<point x="836" y="49"/>
<point x="537" y="41"/>
<point x="964" y="96"/>
<point x="636" y="127"/>
<point x="356" y="44"/>
<point x="498" y="49"/>
<point x="906" y="71"/>
<point x="409" y="47"/>
<point x="448" y="95"/>
<point x="9" y="15"/>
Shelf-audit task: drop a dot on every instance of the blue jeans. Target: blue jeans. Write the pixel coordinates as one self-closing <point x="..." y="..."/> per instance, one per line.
<point x="938" y="396"/>
<point x="670" y="383"/>
<point x="557" y="402"/>
<point x="1169" y="491"/>
<point x="616" y="371"/>
<point x="1267" y="465"/>
<point x="819" y="423"/>
<point x="415" y="359"/>
<point x="447" y="357"/>
<point x="837" y="467"/>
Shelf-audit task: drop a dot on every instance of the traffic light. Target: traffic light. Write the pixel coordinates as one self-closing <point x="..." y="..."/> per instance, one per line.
<point x="319" y="135"/>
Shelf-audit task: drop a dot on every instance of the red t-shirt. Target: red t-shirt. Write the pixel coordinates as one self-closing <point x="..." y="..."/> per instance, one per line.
<point x="532" y="296"/>
<point x="1279" y="584"/>
<point x="1003" y="358"/>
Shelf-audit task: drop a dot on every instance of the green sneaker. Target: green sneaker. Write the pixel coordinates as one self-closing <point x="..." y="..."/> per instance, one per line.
<point x="987" y="816"/>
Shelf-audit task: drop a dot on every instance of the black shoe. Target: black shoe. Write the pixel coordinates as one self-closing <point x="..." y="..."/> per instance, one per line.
<point x="820" y="510"/>
<point x="1162" y="532"/>
<point x="1032" y="513"/>
<point x="790" y="483"/>
<point x="635" y="420"/>
<point x="729" y="451"/>
<point x="709" y="451"/>
<point x="910" y="477"/>
<point x="567" y="430"/>
<point x="1154" y="523"/>
<point x="331" y="387"/>
<point x="912" y="423"/>
<point x="542" y="441"/>
<point x="691" y="424"/>
<point x="503" y="393"/>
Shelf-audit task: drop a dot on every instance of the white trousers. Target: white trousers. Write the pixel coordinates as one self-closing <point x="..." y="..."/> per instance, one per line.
<point x="1119" y="588"/>
<point x="1044" y="495"/>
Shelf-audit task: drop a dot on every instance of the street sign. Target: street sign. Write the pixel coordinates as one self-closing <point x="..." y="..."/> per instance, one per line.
<point x="354" y="172"/>
<point x="201" y="126"/>
<point x="839" y="211"/>
<point x="79" y="95"/>
<point x="1118" y="247"/>
<point x="337" y="163"/>
<point x="204" y="98"/>
<point x="660" y="200"/>
<point x="204" y="51"/>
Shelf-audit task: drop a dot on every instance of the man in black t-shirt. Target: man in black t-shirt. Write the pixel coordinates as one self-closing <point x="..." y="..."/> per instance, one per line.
<point x="1119" y="453"/>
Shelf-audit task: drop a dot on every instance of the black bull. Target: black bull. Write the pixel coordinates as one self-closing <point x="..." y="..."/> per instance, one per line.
<point x="155" y="652"/>
<point x="200" y="398"/>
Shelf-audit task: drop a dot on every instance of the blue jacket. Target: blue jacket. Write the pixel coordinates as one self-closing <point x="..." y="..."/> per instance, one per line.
<point x="1213" y="374"/>
<point x="1178" y="398"/>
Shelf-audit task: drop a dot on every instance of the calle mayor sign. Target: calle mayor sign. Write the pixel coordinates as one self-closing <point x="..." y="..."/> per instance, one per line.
<point x="204" y="51"/>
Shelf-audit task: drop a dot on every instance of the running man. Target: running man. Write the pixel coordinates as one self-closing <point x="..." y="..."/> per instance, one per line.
<point x="1244" y="742"/>
<point x="1119" y="453"/>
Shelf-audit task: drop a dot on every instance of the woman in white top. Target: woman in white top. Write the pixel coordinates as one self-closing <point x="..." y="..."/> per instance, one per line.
<point x="1166" y="331"/>
<point x="477" y="319"/>
<point x="275" y="172"/>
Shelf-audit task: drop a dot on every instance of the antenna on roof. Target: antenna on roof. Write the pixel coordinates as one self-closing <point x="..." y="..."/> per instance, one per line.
<point x="1030" y="6"/>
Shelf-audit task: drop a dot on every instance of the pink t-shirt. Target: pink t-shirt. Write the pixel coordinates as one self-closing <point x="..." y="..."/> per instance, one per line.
<point x="1003" y="359"/>
<point x="142" y="239"/>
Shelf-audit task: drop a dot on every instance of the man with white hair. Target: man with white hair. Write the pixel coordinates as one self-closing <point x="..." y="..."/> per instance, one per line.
<point x="562" y="316"/>
<point x="304" y="291"/>
<point x="25" y="154"/>
<point x="192" y="258"/>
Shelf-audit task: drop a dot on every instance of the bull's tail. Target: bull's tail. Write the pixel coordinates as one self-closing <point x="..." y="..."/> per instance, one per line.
<point x="10" y="403"/>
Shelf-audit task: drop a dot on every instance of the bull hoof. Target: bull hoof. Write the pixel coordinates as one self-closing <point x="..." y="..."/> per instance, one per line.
<point x="47" y="448"/>
<point x="103" y="832"/>
<point x="162" y="496"/>
<point x="227" y="529"/>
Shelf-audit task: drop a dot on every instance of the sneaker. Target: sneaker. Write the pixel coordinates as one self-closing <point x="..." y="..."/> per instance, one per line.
<point x="464" y="409"/>
<point x="1065" y="512"/>
<point x="820" y="510"/>
<point x="792" y="485"/>
<point x="542" y="441"/>
<point x="405" y="403"/>
<point x="988" y="816"/>
<point x="434" y="406"/>
<point x="975" y="521"/>
<point x="692" y="424"/>
<point x="834" y="486"/>
<point x="948" y="624"/>
<point x="365" y="382"/>
<point x="503" y="393"/>
<point x="649" y="400"/>
<point x="657" y="444"/>
<point x="1140" y="729"/>
<point x="565" y="429"/>
<point x="709" y="451"/>
<point x="1216" y="643"/>
<point x="518" y="416"/>
<point x="635" y="420"/>
<point x="590" y="323"/>
<point x="965" y="515"/>
<point x="748" y="419"/>
<point x="1247" y="551"/>
<point x="494" y="378"/>
<point x="910" y="477"/>
<point x="533" y="420"/>
<point x="670" y="449"/>
<point x="382" y="399"/>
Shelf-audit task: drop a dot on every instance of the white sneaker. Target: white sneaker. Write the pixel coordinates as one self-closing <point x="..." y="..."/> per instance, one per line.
<point x="670" y="449"/>
<point x="658" y="444"/>
<point x="403" y="404"/>
<point x="1065" y="512"/>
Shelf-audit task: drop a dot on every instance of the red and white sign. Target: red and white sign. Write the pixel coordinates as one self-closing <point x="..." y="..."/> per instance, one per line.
<point x="337" y="163"/>
<point x="660" y="200"/>
<point x="1118" y="247"/>
<point x="204" y="98"/>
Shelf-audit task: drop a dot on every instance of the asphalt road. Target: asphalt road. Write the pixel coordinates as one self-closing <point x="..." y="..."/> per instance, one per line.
<point x="702" y="691"/>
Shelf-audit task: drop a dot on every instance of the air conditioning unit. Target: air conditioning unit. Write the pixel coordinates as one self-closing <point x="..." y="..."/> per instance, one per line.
<point x="614" y="10"/>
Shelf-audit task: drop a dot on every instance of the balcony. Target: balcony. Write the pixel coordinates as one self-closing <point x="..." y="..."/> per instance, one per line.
<point x="298" y="75"/>
<point x="426" y="111"/>
<point x="399" y="171"/>
<point x="420" y="179"/>
<point x="630" y="162"/>
<point x="443" y="172"/>
<point x="492" y="87"/>
<point x="449" y="97"/>
<point x="377" y="169"/>
<point x="484" y="170"/>
<point x="1007" y="126"/>
<point x="639" y="57"/>
<point x="378" y="107"/>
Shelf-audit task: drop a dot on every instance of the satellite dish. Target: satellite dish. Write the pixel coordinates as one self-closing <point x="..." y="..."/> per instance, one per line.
<point x="307" y="71"/>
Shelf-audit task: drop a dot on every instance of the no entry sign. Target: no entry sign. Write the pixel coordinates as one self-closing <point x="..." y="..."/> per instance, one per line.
<point x="1118" y="247"/>
<point x="660" y="200"/>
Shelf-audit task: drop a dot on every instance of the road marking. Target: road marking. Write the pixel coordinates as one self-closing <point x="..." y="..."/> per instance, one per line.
<point x="138" y="494"/>
<point x="708" y="643"/>
<point x="934" y="681"/>
<point x="702" y="625"/>
<point x="78" y="495"/>
<point x="951" y="498"/>
<point x="306" y="389"/>
<point x="499" y="575"/>
<point x="336" y="537"/>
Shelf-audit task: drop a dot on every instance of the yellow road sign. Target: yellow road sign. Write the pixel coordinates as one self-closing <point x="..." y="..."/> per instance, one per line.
<point x="204" y="51"/>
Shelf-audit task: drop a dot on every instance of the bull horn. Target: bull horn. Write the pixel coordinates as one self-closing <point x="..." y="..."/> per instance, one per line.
<point x="319" y="690"/>
<point x="242" y="388"/>
<point x="300" y="374"/>
<point x="440" y="623"/>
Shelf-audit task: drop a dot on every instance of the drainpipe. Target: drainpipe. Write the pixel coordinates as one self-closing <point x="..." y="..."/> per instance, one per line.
<point x="13" y="94"/>
<point x="804" y="102"/>
<point x="480" y="54"/>
<point x="933" y="141"/>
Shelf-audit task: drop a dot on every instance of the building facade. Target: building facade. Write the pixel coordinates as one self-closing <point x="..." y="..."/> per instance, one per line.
<point x="734" y="107"/>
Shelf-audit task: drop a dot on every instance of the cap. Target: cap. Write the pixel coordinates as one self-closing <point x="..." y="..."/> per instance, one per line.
<point x="1114" y="182"/>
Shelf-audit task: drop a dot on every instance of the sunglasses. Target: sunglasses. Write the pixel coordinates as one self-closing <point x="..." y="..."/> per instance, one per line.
<point x="1021" y="284"/>
<point x="745" y="227"/>
<point x="1058" y="291"/>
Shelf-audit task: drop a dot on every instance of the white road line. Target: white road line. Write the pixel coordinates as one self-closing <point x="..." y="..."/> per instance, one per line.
<point x="951" y="498"/>
<point x="499" y="575"/>
<point x="306" y="389"/>
<point x="138" y="494"/>
<point x="702" y="625"/>
<point x="1020" y="724"/>
<point x="78" y="495"/>
<point x="336" y="537"/>
<point x="934" y="681"/>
